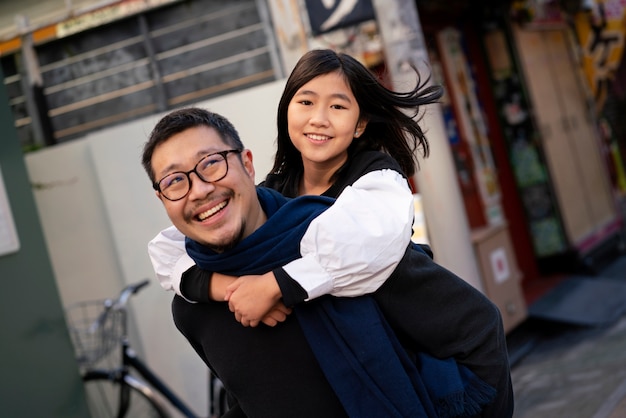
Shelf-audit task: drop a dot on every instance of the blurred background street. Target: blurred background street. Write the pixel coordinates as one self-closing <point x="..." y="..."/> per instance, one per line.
<point x="570" y="369"/>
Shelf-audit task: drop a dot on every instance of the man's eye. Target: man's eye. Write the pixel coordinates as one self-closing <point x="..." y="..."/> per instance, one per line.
<point x="208" y="163"/>
<point x="172" y="180"/>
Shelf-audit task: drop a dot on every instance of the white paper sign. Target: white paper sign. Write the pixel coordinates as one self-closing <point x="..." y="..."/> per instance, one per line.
<point x="9" y="243"/>
<point x="499" y="265"/>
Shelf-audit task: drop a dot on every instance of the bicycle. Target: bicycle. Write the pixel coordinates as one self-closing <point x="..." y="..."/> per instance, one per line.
<point x="96" y="328"/>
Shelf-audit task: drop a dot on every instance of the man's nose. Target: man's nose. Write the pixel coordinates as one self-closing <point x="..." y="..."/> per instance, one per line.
<point x="198" y="188"/>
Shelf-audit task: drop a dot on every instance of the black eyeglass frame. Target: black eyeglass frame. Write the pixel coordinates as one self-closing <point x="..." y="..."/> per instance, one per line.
<point x="224" y="154"/>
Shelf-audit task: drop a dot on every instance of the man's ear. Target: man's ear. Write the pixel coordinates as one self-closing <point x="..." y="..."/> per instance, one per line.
<point x="158" y="195"/>
<point x="246" y="159"/>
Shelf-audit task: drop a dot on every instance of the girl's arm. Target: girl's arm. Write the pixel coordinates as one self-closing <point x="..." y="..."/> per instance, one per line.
<point x="169" y="258"/>
<point x="354" y="246"/>
<point x="172" y="266"/>
<point x="349" y="250"/>
<point x="177" y="271"/>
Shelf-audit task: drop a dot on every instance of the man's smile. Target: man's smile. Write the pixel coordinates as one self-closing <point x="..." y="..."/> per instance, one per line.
<point x="202" y="216"/>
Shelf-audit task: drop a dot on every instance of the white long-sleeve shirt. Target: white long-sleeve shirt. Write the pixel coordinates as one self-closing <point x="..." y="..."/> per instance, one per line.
<point x="348" y="250"/>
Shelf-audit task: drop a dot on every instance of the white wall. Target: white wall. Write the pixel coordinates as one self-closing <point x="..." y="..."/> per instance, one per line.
<point x="98" y="212"/>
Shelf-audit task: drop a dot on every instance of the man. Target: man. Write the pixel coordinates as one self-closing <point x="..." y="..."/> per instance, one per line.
<point x="205" y="179"/>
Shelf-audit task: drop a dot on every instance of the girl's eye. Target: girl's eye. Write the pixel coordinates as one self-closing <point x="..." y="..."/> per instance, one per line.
<point x="338" y="106"/>
<point x="306" y="102"/>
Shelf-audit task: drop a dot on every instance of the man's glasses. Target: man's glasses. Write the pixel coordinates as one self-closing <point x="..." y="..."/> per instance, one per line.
<point x="209" y="169"/>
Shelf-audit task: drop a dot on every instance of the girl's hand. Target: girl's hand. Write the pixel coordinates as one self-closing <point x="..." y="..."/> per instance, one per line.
<point x="277" y="314"/>
<point x="251" y="298"/>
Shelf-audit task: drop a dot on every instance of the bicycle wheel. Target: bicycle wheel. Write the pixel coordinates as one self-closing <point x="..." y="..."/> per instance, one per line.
<point x="104" y="392"/>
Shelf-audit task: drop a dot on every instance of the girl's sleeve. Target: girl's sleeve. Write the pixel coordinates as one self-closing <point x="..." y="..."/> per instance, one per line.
<point x="354" y="246"/>
<point x="169" y="258"/>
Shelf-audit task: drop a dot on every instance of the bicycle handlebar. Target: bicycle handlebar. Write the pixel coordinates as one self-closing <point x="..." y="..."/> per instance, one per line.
<point x="118" y="304"/>
<point x="130" y="290"/>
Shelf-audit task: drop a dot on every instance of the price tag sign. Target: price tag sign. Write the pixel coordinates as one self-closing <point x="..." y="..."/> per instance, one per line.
<point x="9" y="242"/>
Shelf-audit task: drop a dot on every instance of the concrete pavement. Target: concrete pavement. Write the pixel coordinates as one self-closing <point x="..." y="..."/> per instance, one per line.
<point x="571" y="371"/>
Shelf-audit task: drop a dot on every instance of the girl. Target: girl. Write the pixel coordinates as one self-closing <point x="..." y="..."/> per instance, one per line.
<point x="342" y="134"/>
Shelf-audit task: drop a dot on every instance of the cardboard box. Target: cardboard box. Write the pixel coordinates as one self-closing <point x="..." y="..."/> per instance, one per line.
<point x="501" y="275"/>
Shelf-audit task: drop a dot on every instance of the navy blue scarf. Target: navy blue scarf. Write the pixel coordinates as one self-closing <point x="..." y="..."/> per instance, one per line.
<point x="360" y="355"/>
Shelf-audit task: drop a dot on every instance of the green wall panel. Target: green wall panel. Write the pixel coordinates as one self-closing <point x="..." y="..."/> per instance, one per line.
<point x="39" y="374"/>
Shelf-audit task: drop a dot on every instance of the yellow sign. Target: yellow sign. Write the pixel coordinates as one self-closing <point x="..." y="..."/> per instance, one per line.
<point x="101" y="16"/>
<point x="601" y="34"/>
<point x="106" y="15"/>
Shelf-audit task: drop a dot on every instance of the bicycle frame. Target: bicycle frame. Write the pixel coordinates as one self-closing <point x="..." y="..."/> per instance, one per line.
<point x="122" y="375"/>
<point x="147" y="382"/>
<point x="130" y="358"/>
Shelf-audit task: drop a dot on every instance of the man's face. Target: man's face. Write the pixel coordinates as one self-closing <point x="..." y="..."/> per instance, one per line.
<point x="217" y="214"/>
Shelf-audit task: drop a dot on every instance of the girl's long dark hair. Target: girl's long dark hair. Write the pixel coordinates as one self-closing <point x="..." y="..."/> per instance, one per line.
<point x="392" y="116"/>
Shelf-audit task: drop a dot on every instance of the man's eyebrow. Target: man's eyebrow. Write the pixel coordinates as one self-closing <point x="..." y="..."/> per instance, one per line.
<point x="169" y="169"/>
<point x="174" y="167"/>
<point x="204" y="152"/>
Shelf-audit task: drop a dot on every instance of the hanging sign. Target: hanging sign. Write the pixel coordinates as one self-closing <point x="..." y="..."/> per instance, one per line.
<point x="328" y="15"/>
<point x="601" y="33"/>
<point x="9" y="242"/>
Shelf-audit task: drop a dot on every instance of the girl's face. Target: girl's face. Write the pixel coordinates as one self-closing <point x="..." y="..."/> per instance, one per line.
<point x="323" y="117"/>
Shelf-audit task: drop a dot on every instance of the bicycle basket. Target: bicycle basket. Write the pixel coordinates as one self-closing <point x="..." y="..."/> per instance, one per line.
<point x="93" y="335"/>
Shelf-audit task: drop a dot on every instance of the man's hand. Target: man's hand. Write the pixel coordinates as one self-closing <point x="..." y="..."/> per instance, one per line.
<point x="252" y="298"/>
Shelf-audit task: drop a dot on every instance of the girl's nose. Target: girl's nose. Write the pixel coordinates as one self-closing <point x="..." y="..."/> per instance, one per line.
<point x="319" y="118"/>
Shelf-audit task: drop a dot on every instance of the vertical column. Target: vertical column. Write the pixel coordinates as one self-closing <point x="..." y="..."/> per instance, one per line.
<point x="448" y="227"/>
<point x="289" y="31"/>
<point x="33" y="87"/>
<point x="33" y="385"/>
<point x="157" y="77"/>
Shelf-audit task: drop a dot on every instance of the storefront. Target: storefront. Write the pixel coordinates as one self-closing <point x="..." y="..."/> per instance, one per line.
<point x="528" y="146"/>
<point x="558" y="177"/>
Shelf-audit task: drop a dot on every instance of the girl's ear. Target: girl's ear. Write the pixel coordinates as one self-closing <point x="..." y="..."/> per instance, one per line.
<point x="360" y="127"/>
